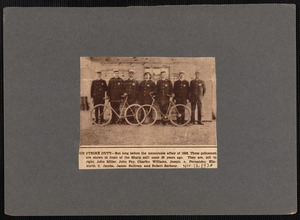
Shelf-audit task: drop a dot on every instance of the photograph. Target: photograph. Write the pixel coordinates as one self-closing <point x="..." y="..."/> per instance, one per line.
<point x="148" y="101"/>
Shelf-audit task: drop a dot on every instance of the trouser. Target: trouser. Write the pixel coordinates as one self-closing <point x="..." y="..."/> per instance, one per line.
<point x="199" y="106"/>
<point x="163" y="105"/>
<point x="148" y="112"/>
<point x="99" y="111"/>
<point x="116" y="107"/>
<point x="181" y="111"/>
<point x="130" y="102"/>
<point x="131" y="99"/>
<point x="131" y="112"/>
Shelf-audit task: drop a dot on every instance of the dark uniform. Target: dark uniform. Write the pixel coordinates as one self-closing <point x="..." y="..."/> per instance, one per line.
<point x="131" y="87"/>
<point x="164" y="88"/>
<point x="197" y="91"/>
<point x="146" y="86"/>
<point x="181" y="91"/>
<point x="114" y="92"/>
<point x="98" y="89"/>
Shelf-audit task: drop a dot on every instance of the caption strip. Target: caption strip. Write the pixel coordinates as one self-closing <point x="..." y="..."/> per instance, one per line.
<point x="143" y="158"/>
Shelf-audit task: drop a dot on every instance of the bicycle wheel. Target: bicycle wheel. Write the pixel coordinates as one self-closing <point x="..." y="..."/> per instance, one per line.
<point x="131" y="115"/>
<point x="180" y="115"/>
<point x="101" y="114"/>
<point x="146" y="115"/>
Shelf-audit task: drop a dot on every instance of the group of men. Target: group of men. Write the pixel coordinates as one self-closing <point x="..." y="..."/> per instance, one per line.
<point x="140" y="93"/>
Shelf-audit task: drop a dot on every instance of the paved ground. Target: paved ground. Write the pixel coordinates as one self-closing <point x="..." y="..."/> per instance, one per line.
<point x="153" y="135"/>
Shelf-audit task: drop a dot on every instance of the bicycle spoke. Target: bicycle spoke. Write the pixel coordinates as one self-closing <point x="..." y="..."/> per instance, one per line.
<point x="148" y="114"/>
<point x="130" y="114"/>
<point x="179" y="115"/>
<point x="101" y="115"/>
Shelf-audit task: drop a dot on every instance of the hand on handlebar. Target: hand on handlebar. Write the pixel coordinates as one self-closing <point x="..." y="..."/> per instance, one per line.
<point x="171" y="95"/>
<point x="151" y="94"/>
<point x="124" y="95"/>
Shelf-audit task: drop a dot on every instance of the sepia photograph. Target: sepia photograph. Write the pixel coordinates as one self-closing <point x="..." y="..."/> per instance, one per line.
<point x="148" y="101"/>
<point x="102" y="99"/>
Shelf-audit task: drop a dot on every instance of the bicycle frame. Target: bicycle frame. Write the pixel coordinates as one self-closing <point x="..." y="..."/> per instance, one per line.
<point x="120" y="116"/>
<point x="171" y="103"/>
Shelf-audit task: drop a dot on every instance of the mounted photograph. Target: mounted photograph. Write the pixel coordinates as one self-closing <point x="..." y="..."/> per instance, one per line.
<point x="148" y="102"/>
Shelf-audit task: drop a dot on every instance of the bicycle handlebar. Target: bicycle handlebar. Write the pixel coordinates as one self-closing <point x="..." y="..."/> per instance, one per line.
<point x="152" y="96"/>
<point x="124" y="95"/>
<point x="150" y="93"/>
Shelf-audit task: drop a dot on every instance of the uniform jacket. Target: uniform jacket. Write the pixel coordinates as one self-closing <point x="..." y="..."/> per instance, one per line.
<point x="164" y="88"/>
<point x="131" y="87"/>
<point x="146" y="86"/>
<point x="115" y="89"/>
<point x="181" y="91"/>
<point x="98" y="89"/>
<point x="197" y="90"/>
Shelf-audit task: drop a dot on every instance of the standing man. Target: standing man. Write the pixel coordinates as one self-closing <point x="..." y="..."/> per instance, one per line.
<point x="146" y="87"/>
<point x="131" y="87"/>
<point x="114" y="92"/>
<point x="164" y="90"/>
<point x="197" y="91"/>
<point x="181" y="91"/>
<point x="98" y="89"/>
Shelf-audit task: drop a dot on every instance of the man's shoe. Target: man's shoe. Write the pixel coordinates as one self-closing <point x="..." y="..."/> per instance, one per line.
<point x="201" y="123"/>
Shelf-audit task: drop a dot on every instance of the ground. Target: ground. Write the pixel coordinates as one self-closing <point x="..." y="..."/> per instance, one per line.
<point x="153" y="135"/>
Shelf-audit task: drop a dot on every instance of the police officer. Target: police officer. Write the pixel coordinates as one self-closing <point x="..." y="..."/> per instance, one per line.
<point x="181" y="92"/>
<point x="146" y="87"/>
<point x="164" y="90"/>
<point x="114" y="93"/>
<point x="131" y="87"/>
<point x="197" y="91"/>
<point x="98" y="89"/>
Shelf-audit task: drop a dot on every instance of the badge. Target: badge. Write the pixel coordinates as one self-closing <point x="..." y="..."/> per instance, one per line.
<point x="166" y="85"/>
<point x="133" y="84"/>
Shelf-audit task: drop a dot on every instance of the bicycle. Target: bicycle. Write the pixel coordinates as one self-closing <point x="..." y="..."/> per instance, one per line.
<point x="150" y="113"/>
<point x="104" y="112"/>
